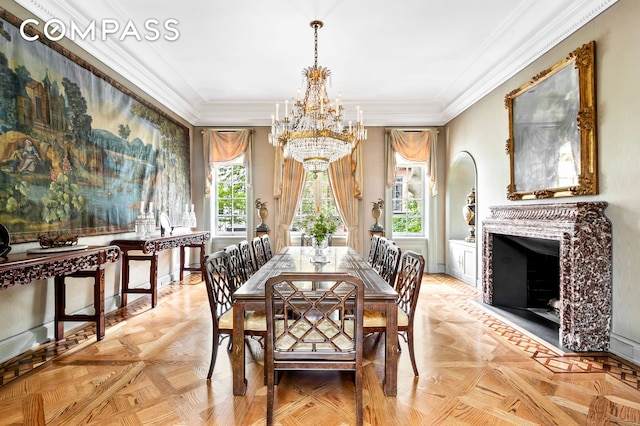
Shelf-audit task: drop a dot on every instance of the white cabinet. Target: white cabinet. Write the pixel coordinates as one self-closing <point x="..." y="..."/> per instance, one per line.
<point x="461" y="261"/>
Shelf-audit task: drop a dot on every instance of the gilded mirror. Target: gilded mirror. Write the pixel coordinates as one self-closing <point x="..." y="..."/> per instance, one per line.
<point x="552" y="131"/>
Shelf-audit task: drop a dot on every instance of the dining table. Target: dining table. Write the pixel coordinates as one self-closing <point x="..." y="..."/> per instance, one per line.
<point x="378" y="296"/>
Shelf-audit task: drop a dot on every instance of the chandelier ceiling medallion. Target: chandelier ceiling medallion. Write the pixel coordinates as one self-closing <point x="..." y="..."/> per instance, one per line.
<point x="312" y="131"/>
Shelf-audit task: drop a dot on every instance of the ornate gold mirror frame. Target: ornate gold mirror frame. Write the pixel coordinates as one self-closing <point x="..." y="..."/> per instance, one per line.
<point x="552" y="143"/>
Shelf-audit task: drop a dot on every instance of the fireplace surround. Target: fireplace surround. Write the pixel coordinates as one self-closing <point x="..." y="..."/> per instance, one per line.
<point x="584" y="235"/>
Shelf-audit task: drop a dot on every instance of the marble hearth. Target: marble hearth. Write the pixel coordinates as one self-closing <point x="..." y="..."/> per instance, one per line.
<point x="584" y="235"/>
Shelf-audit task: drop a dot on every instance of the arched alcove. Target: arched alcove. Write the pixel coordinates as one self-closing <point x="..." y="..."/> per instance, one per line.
<point x="461" y="254"/>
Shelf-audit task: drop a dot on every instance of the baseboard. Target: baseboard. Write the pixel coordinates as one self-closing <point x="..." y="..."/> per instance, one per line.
<point x="27" y="340"/>
<point x="625" y="348"/>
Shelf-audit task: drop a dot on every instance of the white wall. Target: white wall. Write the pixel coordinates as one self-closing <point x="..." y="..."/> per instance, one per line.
<point x="482" y="130"/>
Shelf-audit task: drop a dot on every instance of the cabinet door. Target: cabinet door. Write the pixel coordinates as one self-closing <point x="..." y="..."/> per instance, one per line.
<point x="455" y="260"/>
<point x="469" y="266"/>
<point x="462" y="261"/>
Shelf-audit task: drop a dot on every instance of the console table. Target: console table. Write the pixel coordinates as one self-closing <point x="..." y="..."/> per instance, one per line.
<point x="24" y="268"/>
<point x="151" y="246"/>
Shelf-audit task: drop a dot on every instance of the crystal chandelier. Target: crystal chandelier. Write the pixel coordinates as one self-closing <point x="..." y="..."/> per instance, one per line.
<point x="312" y="131"/>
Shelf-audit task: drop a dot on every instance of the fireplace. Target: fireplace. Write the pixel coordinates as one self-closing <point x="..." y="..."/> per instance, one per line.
<point x="558" y="253"/>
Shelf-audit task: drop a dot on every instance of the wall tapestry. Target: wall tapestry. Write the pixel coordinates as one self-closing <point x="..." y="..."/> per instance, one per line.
<point x="78" y="151"/>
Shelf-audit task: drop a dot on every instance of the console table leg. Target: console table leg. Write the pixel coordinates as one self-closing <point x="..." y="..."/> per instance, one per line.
<point x="153" y="279"/>
<point x="125" y="278"/>
<point x="60" y="307"/>
<point x="182" y="256"/>
<point x="98" y="302"/>
<point x="202" y="256"/>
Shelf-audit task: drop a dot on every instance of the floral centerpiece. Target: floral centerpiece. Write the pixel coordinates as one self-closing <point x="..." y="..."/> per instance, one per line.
<point x="320" y="227"/>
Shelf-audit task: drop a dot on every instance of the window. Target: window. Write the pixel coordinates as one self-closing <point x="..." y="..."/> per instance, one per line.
<point x="408" y="199"/>
<point x="316" y="197"/>
<point x="230" y="202"/>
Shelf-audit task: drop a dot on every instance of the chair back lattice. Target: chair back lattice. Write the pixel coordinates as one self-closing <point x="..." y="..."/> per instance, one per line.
<point x="266" y="245"/>
<point x="408" y="281"/>
<point x="381" y="251"/>
<point x="372" y="250"/>
<point x="389" y="264"/>
<point x="247" y="258"/>
<point x="237" y="273"/>
<point x="314" y="321"/>
<point x="217" y="278"/>
<point x="258" y="252"/>
<point x="314" y="317"/>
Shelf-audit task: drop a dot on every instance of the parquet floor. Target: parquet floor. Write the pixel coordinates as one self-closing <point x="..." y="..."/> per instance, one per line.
<point x="474" y="369"/>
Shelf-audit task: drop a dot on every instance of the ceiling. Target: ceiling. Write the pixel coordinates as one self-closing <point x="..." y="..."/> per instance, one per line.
<point x="405" y="63"/>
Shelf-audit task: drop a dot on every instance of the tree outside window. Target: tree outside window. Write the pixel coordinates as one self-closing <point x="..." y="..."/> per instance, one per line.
<point x="230" y="208"/>
<point x="408" y="199"/>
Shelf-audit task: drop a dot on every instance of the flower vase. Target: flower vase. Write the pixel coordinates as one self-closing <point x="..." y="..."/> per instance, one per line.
<point x="318" y="256"/>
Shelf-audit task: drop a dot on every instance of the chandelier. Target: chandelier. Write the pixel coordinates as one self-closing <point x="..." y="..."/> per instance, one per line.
<point x="312" y="130"/>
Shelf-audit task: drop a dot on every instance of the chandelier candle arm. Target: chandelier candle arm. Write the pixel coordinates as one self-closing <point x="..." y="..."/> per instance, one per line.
<point x="312" y="132"/>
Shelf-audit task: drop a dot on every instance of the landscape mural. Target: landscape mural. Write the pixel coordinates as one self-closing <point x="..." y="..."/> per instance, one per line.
<point x="78" y="152"/>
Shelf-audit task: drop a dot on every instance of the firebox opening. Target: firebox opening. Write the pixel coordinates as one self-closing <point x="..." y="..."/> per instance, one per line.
<point x="526" y="275"/>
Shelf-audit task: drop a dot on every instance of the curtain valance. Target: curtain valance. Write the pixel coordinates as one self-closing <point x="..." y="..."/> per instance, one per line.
<point x="221" y="146"/>
<point x="419" y="146"/>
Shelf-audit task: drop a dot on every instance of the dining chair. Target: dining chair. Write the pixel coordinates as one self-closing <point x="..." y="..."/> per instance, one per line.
<point x="247" y="258"/>
<point x="372" y="250"/>
<point x="314" y="322"/>
<point x="237" y="273"/>
<point x="389" y="263"/>
<point x="220" y="293"/>
<point x="381" y="250"/>
<point x="266" y="245"/>
<point x="258" y="252"/>
<point x="407" y="285"/>
<point x="306" y="240"/>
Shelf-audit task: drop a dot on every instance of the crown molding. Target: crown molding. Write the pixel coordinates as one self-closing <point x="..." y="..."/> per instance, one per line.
<point x="548" y="37"/>
<point x="256" y="114"/>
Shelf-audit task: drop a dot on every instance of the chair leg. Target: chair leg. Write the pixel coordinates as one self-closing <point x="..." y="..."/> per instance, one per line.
<point x="270" y="396"/>
<point x="411" y="352"/>
<point x="358" y="372"/>
<point x="214" y="353"/>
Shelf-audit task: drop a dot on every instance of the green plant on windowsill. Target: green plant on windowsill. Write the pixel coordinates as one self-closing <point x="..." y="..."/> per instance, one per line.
<point x="320" y="226"/>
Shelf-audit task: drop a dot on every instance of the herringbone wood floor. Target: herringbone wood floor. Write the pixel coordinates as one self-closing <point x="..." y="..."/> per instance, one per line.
<point x="474" y="369"/>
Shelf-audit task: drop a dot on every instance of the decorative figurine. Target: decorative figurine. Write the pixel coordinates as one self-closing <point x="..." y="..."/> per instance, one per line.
<point x="469" y="213"/>
<point x="376" y="211"/>
<point x="62" y="240"/>
<point x="261" y="209"/>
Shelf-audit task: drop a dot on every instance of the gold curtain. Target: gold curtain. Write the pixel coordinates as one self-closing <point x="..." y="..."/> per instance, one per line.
<point x="345" y="186"/>
<point x="291" y="177"/>
<point x="414" y="146"/>
<point x="224" y="145"/>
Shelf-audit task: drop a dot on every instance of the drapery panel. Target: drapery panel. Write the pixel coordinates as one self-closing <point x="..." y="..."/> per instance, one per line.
<point x="225" y="145"/>
<point x="417" y="146"/>
<point x="345" y="186"/>
<point x="289" y="180"/>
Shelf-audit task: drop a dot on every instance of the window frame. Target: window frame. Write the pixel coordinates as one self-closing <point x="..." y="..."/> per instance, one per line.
<point x="402" y="162"/>
<point x="215" y="215"/>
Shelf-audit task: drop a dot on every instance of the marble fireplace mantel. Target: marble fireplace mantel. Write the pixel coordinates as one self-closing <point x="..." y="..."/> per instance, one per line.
<point x="584" y="233"/>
